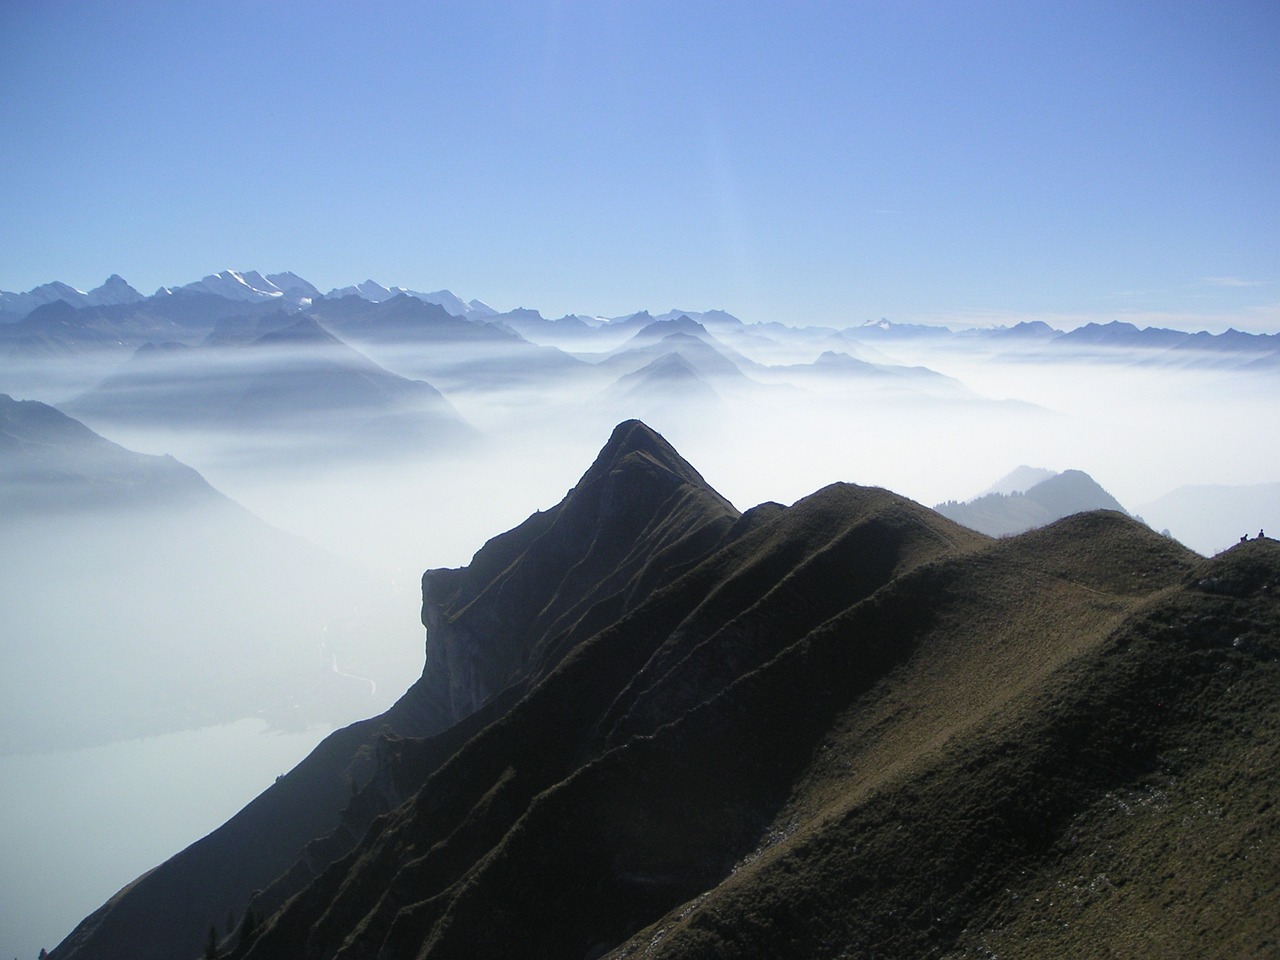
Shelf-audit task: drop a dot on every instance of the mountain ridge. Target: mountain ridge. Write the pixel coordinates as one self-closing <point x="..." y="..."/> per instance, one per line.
<point x="661" y="724"/>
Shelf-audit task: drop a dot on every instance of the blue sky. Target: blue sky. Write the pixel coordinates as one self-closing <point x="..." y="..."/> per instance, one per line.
<point x="804" y="162"/>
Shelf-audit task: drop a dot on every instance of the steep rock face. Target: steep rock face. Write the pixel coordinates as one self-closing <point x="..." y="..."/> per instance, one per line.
<point x="639" y="508"/>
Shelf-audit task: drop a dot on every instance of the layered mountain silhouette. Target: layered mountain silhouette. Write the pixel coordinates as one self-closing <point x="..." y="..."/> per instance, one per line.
<point x="667" y="382"/>
<point x="295" y="377"/>
<point x="1000" y="514"/>
<point x="650" y="725"/>
<point x="249" y="289"/>
<point x="424" y="339"/>
<point x="680" y="333"/>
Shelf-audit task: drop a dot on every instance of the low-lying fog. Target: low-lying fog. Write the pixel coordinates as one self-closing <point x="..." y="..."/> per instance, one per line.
<point x="140" y="622"/>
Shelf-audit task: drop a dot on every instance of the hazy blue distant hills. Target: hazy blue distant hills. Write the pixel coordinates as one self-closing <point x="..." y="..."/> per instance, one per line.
<point x="649" y="723"/>
<point x="710" y="319"/>
<point x="59" y="329"/>
<point x="1041" y="503"/>
<point x="375" y="292"/>
<point x="711" y="360"/>
<point x="50" y="463"/>
<point x="297" y="376"/>
<point x="667" y="384"/>
<point x="1120" y="334"/>
<point x="838" y="367"/>
<point x="403" y="320"/>
<point x="422" y="339"/>
<point x="655" y="331"/>
<point x="152" y="600"/>
<point x="1117" y="341"/>
<point x="569" y="331"/>
<point x="1028" y="331"/>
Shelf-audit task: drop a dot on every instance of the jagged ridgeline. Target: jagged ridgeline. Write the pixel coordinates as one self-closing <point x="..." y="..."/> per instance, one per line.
<point x="650" y="725"/>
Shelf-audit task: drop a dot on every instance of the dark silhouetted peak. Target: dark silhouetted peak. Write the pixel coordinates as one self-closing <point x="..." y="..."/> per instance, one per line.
<point x="1249" y="569"/>
<point x="500" y="618"/>
<point x="634" y="441"/>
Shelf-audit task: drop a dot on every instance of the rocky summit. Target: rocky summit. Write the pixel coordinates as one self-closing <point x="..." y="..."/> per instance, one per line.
<point x="652" y="726"/>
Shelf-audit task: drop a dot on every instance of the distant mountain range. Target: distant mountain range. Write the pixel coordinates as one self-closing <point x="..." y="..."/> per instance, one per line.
<point x="243" y="350"/>
<point x="385" y="369"/>
<point x="1117" y="340"/>
<point x="296" y="378"/>
<point x="288" y="289"/>
<point x="652" y="725"/>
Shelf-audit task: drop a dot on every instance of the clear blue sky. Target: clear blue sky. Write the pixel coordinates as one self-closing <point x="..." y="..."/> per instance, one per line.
<point x="820" y="162"/>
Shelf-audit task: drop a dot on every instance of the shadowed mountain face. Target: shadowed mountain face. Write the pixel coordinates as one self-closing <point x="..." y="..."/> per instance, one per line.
<point x="651" y="726"/>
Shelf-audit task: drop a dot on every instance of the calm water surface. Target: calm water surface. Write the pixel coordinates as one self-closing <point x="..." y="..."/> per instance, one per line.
<point x="77" y="825"/>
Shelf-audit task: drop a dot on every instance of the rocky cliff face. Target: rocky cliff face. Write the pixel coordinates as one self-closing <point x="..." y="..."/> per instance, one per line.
<point x="639" y="509"/>
<point x="656" y="727"/>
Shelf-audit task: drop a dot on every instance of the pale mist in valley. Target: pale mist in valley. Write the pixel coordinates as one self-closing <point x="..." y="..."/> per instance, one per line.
<point x="215" y="523"/>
